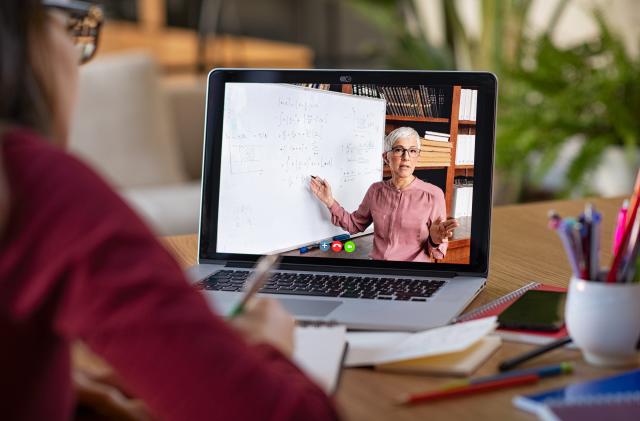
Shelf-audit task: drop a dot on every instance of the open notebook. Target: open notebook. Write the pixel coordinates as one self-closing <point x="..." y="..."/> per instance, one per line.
<point x="455" y="350"/>
<point x="319" y="352"/>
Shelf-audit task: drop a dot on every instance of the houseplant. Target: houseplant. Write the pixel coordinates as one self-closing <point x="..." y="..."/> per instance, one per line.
<point x="548" y="94"/>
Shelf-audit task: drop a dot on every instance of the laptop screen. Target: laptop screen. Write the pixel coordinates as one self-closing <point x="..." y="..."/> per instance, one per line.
<point x="368" y="172"/>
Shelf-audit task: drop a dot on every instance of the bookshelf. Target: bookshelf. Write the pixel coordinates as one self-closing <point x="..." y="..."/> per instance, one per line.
<point x="419" y="119"/>
<point x="459" y="246"/>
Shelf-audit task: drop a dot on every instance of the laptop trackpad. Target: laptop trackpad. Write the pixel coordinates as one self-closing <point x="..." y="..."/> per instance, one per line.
<point x="314" y="308"/>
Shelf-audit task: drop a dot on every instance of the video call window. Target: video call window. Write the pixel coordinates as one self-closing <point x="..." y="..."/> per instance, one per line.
<point x="348" y="171"/>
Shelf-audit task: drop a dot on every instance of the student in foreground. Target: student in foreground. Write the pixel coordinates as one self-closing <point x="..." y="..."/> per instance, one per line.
<point x="77" y="263"/>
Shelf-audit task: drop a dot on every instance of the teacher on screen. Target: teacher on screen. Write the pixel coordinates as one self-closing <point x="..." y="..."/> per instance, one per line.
<point x="409" y="215"/>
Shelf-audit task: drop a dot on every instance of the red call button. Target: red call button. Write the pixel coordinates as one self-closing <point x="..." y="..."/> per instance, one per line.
<point x="336" y="246"/>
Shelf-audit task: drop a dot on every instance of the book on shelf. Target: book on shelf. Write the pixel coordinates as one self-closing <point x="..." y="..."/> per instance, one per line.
<point x="435" y="153"/>
<point x="321" y="86"/>
<point x="474" y="105"/>
<point x="465" y="149"/>
<point x="468" y="104"/>
<point x="433" y="163"/>
<point x="436" y="136"/>
<point x="426" y="143"/>
<point x="462" y="197"/>
<point x="407" y="101"/>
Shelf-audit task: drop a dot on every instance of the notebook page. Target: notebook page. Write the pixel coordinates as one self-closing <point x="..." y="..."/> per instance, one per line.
<point x="366" y="347"/>
<point x="377" y="348"/>
<point x="319" y="351"/>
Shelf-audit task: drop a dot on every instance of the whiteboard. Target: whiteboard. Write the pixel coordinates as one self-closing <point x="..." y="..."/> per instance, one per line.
<point x="274" y="137"/>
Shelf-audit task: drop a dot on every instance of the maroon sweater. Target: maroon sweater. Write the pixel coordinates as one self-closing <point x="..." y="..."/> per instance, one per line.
<point x="76" y="262"/>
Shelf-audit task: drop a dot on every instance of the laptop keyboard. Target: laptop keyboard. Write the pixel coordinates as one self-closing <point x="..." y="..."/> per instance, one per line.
<point x="286" y="283"/>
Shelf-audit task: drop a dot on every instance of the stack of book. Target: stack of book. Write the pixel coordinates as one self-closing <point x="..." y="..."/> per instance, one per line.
<point x="436" y="136"/>
<point x="435" y="150"/>
<point x="465" y="149"/>
<point x="468" y="104"/>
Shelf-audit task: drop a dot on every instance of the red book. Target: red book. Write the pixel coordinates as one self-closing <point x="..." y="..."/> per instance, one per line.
<point x="497" y="306"/>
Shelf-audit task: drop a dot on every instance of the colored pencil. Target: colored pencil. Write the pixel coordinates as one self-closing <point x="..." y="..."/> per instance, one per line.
<point x="256" y="280"/>
<point x="488" y="383"/>
<point x="471" y="389"/>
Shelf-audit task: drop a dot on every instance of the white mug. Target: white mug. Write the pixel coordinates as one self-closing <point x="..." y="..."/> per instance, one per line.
<point x="603" y="320"/>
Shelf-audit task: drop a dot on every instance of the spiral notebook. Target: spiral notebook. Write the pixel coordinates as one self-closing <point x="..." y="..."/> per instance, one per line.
<point x="498" y="305"/>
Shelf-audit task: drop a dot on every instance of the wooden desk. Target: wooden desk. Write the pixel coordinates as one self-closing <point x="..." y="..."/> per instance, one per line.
<point x="522" y="249"/>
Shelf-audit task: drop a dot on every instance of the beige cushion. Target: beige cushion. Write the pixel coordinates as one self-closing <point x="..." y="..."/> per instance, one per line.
<point x="186" y="96"/>
<point x="169" y="210"/>
<point x="123" y="125"/>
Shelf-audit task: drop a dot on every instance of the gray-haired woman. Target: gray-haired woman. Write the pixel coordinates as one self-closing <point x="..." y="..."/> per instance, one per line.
<point x="409" y="214"/>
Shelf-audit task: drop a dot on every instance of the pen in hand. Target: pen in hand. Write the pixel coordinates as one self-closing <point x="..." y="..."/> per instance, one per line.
<point x="256" y="280"/>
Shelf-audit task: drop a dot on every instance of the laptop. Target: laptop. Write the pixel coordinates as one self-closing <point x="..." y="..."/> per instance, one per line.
<point x="368" y="261"/>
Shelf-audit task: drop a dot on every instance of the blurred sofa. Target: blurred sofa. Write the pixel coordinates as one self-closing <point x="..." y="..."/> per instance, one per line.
<point x="143" y="132"/>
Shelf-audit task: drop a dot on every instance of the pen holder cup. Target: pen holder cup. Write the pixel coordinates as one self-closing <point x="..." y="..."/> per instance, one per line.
<point x="603" y="320"/>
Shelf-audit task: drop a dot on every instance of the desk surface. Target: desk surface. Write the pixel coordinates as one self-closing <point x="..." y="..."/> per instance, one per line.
<point x="522" y="250"/>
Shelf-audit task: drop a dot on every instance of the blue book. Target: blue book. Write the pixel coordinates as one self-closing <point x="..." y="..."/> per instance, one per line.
<point x="616" y="386"/>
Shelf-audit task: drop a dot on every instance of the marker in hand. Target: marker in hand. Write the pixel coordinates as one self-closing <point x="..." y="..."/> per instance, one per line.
<point x="322" y="190"/>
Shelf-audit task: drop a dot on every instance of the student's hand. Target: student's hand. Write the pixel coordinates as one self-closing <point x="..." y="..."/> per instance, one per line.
<point x="264" y="320"/>
<point x="441" y="231"/>
<point x="97" y="387"/>
<point x="322" y="190"/>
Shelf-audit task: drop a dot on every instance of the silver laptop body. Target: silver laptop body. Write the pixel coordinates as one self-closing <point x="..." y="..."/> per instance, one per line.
<point x="461" y="282"/>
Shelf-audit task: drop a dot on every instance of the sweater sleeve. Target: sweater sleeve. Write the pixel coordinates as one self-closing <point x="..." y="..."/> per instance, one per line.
<point x="356" y="221"/>
<point x="112" y="284"/>
<point x="439" y="211"/>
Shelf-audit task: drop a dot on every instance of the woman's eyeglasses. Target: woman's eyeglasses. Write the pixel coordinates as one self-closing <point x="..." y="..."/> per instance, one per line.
<point x="399" y="151"/>
<point x="85" y="20"/>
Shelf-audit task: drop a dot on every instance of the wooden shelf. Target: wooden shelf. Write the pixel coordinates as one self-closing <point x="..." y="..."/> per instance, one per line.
<point x="460" y="243"/>
<point x="431" y="167"/>
<point x="466" y="122"/>
<point x="419" y="119"/>
<point x="386" y="172"/>
<point x="464" y="167"/>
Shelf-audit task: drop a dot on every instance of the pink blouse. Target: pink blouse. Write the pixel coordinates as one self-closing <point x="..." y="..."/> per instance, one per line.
<point x="401" y="218"/>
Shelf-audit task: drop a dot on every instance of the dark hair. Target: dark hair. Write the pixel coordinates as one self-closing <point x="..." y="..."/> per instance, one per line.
<point x="24" y="101"/>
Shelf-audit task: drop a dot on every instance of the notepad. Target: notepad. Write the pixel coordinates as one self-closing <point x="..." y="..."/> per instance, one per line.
<point x="387" y="350"/>
<point x="606" y="389"/>
<point x="319" y="351"/>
